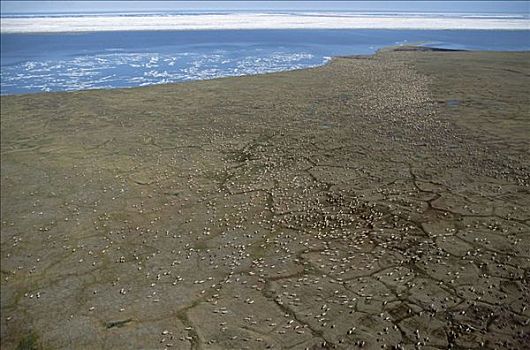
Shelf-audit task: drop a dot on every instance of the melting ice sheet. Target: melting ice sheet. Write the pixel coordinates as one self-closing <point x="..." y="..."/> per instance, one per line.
<point x="77" y="61"/>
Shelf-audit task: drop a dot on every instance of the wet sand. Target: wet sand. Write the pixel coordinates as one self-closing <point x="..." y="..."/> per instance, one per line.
<point x="375" y="202"/>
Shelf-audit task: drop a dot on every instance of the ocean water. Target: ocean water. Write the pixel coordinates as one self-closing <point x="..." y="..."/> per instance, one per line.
<point x="32" y="63"/>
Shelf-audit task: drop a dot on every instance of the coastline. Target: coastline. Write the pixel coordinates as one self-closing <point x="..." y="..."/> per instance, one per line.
<point x="134" y="59"/>
<point x="183" y="213"/>
<point x="409" y="47"/>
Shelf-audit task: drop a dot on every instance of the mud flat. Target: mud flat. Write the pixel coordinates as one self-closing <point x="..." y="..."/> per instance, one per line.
<point x="375" y="202"/>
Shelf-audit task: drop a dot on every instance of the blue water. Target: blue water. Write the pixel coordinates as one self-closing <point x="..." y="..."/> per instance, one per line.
<point x="69" y="61"/>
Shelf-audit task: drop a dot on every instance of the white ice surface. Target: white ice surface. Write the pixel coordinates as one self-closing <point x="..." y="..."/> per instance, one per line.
<point x="253" y="21"/>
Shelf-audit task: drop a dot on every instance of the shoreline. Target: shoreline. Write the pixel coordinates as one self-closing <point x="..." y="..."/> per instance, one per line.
<point x="407" y="47"/>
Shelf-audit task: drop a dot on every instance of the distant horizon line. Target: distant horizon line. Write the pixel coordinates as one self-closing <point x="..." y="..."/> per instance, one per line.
<point x="258" y="10"/>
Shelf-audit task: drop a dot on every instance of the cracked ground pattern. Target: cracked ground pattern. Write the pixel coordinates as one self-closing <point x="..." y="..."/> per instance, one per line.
<point x="376" y="202"/>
